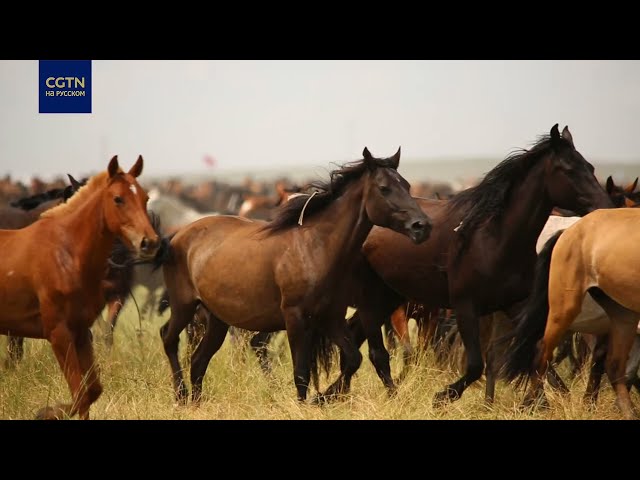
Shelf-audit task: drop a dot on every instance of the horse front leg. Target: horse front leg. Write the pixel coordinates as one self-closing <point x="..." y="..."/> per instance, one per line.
<point x="74" y="353"/>
<point x="468" y="327"/>
<point x="300" y="338"/>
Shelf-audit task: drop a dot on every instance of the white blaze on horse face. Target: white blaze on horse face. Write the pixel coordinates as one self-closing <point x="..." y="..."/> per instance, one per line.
<point x="133" y="189"/>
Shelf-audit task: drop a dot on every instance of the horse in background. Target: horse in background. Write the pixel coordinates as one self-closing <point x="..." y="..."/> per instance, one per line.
<point x="51" y="284"/>
<point x="173" y="213"/>
<point x="123" y="274"/>
<point x="264" y="207"/>
<point x="298" y="278"/>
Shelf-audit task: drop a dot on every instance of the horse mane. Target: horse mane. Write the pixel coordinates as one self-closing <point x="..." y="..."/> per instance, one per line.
<point x="488" y="200"/>
<point x="325" y="193"/>
<point x="33" y="201"/>
<point x="94" y="184"/>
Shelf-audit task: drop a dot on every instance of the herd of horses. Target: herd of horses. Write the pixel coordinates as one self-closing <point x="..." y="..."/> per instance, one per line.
<point x="495" y="255"/>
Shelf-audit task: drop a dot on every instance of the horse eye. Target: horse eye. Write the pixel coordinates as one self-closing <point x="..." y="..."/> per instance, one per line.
<point x="118" y="200"/>
<point x="385" y="190"/>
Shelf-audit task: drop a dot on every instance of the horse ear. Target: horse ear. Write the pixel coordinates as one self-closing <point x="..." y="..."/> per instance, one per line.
<point x="609" y="185"/>
<point x="136" y="170"/>
<point x="74" y="183"/>
<point x="566" y="134"/>
<point x="113" y="166"/>
<point x="368" y="158"/>
<point x="555" y="133"/>
<point x="632" y="187"/>
<point x="395" y="160"/>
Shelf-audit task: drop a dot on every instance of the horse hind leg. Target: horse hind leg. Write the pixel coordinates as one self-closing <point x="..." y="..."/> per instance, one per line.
<point x="212" y="340"/>
<point x="633" y="365"/>
<point x="15" y="351"/>
<point x="348" y="367"/>
<point x="597" y="369"/>
<point x="621" y="337"/>
<point x="564" y="306"/>
<point x="181" y="314"/>
<point x="350" y="361"/>
<point x="400" y="323"/>
<point x="260" y="345"/>
<point x="114" y="307"/>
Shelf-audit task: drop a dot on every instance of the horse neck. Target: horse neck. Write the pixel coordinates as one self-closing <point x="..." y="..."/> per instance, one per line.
<point x="344" y="226"/>
<point x="528" y="211"/>
<point x="90" y="239"/>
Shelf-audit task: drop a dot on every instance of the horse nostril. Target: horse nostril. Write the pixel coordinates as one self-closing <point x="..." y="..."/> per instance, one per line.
<point x="144" y="244"/>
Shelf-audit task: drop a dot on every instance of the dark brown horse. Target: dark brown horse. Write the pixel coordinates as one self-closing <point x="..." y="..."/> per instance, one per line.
<point x="292" y="273"/>
<point x="51" y="284"/>
<point x="481" y="254"/>
<point x="498" y="327"/>
<point x="621" y="195"/>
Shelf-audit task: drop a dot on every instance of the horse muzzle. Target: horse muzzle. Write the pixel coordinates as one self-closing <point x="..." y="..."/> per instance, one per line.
<point x="419" y="230"/>
<point x="148" y="247"/>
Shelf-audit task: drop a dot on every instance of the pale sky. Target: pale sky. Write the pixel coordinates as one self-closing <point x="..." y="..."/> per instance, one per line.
<point x="262" y="114"/>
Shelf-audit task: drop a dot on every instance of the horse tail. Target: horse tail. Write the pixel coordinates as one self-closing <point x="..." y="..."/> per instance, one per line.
<point x="530" y="322"/>
<point x="322" y="353"/>
<point x="164" y="302"/>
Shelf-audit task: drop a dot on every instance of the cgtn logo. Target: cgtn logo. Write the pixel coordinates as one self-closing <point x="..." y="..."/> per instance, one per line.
<point x="65" y="86"/>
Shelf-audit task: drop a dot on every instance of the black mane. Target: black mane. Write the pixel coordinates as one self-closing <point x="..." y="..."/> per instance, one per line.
<point x="488" y="200"/>
<point x="326" y="192"/>
<point x="29" y="203"/>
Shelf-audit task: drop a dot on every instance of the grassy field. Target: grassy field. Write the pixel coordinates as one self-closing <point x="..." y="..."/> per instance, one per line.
<point x="137" y="385"/>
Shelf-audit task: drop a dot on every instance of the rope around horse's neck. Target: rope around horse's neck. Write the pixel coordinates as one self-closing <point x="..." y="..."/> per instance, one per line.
<point x="305" y="206"/>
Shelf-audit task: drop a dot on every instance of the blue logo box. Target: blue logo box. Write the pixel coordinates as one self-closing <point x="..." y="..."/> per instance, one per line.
<point x="65" y="86"/>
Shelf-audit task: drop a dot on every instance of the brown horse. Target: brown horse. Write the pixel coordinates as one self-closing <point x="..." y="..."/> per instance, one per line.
<point x="481" y="254"/>
<point x="51" y="284"/>
<point x="582" y="259"/>
<point x="21" y="213"/>
<point x="292" y="273"/>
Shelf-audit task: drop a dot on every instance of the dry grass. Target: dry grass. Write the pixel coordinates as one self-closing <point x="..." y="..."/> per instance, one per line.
<point x="137" y="385"/>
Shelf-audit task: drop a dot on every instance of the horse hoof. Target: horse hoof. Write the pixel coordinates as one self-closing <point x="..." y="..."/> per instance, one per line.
<point x="444" y="397"/>
<point x="50" y="413"/>
<point x="531" y="404"/>
<point x="319" y="400"/>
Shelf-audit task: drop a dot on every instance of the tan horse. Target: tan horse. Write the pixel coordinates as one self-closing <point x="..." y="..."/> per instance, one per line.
<point x="293" y="273"/>
<point x="583" y="258"/>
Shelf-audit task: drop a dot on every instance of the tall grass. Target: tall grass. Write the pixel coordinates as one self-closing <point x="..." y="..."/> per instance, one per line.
<point x="137" y="385"/>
